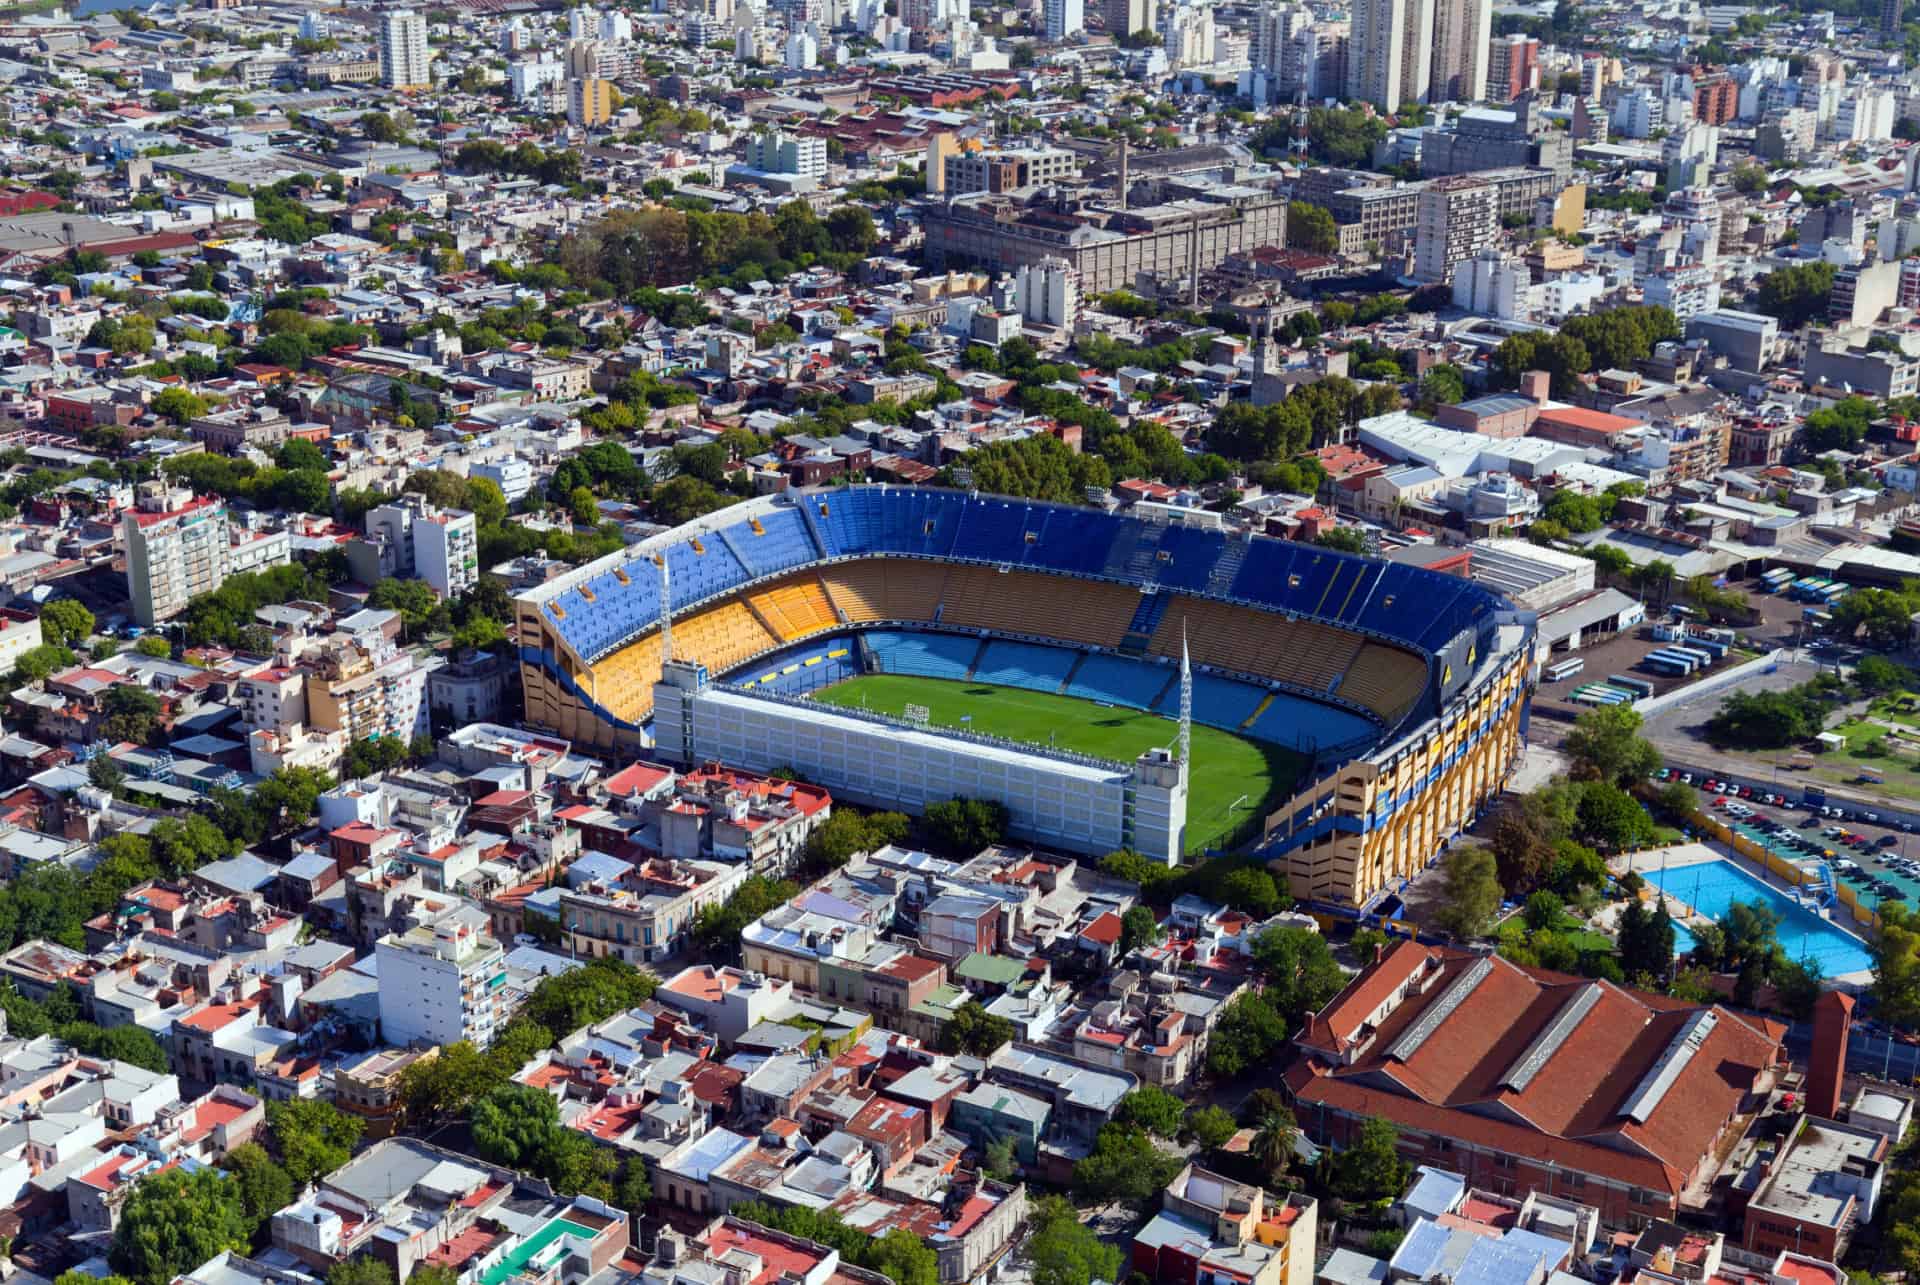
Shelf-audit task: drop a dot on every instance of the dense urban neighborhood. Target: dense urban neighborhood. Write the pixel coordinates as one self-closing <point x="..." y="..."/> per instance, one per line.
<point x="917" y="642"/>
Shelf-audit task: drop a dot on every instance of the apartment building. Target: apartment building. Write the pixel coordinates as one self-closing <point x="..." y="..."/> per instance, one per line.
<point x="412" y="539"/>
<point x="647" y="913"/>
<point x="176" y="549"/>
<point x="1009" y="169"/>
<point x="442" y="982"/>
<point x="404" y="57"/>
<point x="1458" y="218"/>
<point x="364" y="686"/>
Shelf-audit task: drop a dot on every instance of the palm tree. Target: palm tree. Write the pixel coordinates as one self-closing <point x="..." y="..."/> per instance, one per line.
<point x="1273" y="1139"/>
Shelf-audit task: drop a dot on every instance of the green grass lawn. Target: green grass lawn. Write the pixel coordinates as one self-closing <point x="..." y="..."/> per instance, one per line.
<point x="1233" y="780"/>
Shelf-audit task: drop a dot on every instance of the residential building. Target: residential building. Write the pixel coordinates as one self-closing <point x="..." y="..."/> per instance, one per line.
<point x="176" y="550"/>
<point x="775" y="152"/>
<point x="1210" y="1227"/>
<point x="405" y="59"/>
<point x="442" y="982"/>
<point x="1458" y="218"/>
<point x="1513" y="67"/>
<point x="1462" y="33"/>
<point x="646" y="914"/>
<point x="410" y="539"/>
<point x="1008" y="169"/>
<point x="1065" y="18"/>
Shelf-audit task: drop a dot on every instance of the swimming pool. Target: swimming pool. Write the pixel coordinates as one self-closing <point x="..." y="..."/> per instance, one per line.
<point x="1711" y="886"/>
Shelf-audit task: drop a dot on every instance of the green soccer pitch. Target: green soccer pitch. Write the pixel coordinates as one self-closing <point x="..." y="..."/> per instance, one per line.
<point x="1233" y="780"/>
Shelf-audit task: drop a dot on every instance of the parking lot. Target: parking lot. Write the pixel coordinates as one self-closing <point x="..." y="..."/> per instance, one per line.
<point x="1877" y="858"/>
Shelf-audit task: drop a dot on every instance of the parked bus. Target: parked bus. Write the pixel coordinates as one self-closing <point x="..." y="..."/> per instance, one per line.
<point x="1638" y="686"/>
<point x="1776" y="579"/>
<point x="1565" y="669"/>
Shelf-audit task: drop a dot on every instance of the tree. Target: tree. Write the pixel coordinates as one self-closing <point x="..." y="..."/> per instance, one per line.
<point x="1543" y="911"/>
<point x="313" y="1138"/>
<point x="133" y="712"/>
<point x="1137" y="928"/>
<point x="1895" y="950"/>
<point x="1211" y="1127"/>
<point x="1124" y="1165"/>
<point x="178" y="405"/>
<point x="1797" y="294"/>
<point x="174" y="1221"/>
<point x="1301" y="972"/>
<point x="1371" y="1168"/>
<point x="849" y="832"/>
<point x="1310" y="227"/>
<point x="1612" y="818"/>
<point x="1252" y="891"/>
<point x="565" y="1002"/>
<point x="265" y="1188"/>
<point x="65" y="623"/>
<point x="1152" y="1108"/>
<point x="1275" y="1134"/>
<point x="972" y="1029"/>
<point x="1345" y="539"/>
<point x="902" y="1257"/>
<point x="1646" y="941"/>
<point x="1064" y="1250"/>
<point x="1245" y="1035"/>
<point x="1767" y="720"/>
<point x="514" y="1124"/>
<point x="962" y="827"/>
<point x="1606" y="742"/>
<point x="363" y="1270"/>
<point x="1442" y="385"/>
<point x="155" y="646"/>
<point x="1876" y="675"/>
<point x="1471" y="891"/>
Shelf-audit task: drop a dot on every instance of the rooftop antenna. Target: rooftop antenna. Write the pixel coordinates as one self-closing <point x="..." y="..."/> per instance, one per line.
<point x="666" y="613"/>
<point x="1298" y="144"/>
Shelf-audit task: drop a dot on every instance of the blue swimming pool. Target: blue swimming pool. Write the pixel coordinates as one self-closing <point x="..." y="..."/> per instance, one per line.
<point x="1711" y="886"/>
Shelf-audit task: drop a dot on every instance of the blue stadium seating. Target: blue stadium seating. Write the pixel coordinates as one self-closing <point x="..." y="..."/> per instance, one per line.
<point x="1118" y="681"/>
<point x="700" y="574"/>
<point x="783" y="542"/>
<point x="615" y="612"/>
<point x="1190" y="555"/>
<point x="817" y="663"/>
<point x="1042" y="669"/>
<point x="1306" y="726"/>
<point x="1408" y="604"/>
<point x="1217" y="702"/>
<point x="926" y="655"/>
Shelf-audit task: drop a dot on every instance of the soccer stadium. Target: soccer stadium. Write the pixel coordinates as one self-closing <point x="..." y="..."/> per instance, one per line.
<point x="904" y="645"/>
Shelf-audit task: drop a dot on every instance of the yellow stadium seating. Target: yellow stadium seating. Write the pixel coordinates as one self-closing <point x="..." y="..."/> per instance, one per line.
<point x="796" y="607"/>
<point x="1385" y="680"/>
<point x="1026" y="602"/>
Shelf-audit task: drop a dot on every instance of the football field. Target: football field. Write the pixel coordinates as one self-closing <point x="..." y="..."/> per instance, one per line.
<point x="1233" y="779"/>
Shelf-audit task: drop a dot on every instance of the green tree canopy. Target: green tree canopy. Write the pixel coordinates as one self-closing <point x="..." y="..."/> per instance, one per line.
<point x="176" y="1220"/>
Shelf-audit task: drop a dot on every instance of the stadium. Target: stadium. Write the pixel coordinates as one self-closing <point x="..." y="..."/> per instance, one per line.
<point x="904" y="645"/>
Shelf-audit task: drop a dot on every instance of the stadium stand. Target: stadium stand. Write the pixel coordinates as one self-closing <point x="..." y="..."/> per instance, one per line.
<point x="1385" y="680"/>
<point x="1301" y="644"/>
<point x="795" y="608"/>
<point x="926" y="655"/>
<point x="805" y="668"/>
<point x="1217" y="702"/>
<point x="1024" y="602"/>
<point x="1040" y="669"/>
<point x="773" y="542"/>
<point x="623" y="682"/>
<point x="879" y="589"/>
<point x="1118" y="681"/>
<point x="721" y="638"/>
<point x="1302" y="725"/>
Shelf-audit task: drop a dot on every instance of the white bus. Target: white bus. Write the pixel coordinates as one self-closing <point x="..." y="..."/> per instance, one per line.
<point x="1565" y="669"/>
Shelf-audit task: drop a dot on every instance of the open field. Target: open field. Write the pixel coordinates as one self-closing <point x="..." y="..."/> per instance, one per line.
<point x="1233" y="779"/>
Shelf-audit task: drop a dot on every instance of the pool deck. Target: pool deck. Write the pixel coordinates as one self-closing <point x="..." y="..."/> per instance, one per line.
<point x="1681" y="855"/>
